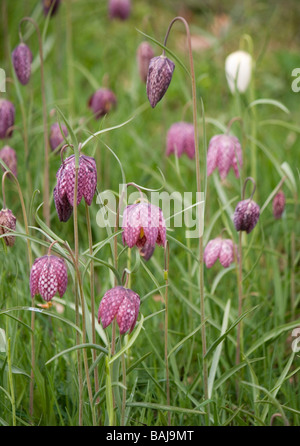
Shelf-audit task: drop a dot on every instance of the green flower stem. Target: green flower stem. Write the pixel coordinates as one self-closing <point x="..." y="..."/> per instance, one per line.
<point x="166" y="276"/>
<point x="11" y="382"/>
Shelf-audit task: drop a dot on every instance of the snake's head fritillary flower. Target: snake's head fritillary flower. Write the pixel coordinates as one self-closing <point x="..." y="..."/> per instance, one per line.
<point x="122" y="304"/>
<point x="7" y="118"/>
<point x="238" y="70"/>
<point x="119" y="9"/>
<point x="145" y="53"/>
<point x="222" y="249"/>
<point x="101" y="102"/>
<point x="246" y="215"/>
<point x="224" y="152"/>
<point x="159" y="76"/>
<point x="63" y="193"/>
<point x="278" y="204"/>
<point x="21" y="60"/>
<point x="181" y="139"/>
<point x="144" y="227"/>
<point x="48" y="276"/>
<point x="9" y="156"/>
<point x="7" y="224"/>
<point x="56" y="137"/>
<point x="47" y="5"/>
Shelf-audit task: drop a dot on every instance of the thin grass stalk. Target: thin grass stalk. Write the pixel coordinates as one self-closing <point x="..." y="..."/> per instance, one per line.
<point x="11" y="383"/>
<point x="166" y="276"/>
<point x="240" y="297"/>
<point x="124" y="390"/>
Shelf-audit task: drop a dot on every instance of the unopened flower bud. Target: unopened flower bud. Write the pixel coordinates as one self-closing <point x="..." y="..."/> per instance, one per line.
<point x="7" y="118"/>
<point x="278" y="204"/>
<point x="9" y="156"/>
<point x="119" y="9"/>
<point x="7" y="224"/>
<point x="22" y="59"/>
<point x="101" y="102"/>
<point x="158" y="79"/>
<point x="238" y="69"/>
<point x="56" y="137"/>
<point x="47" y="5"/>
<point x="145" y="53"/>
<point x="246" y="215"/>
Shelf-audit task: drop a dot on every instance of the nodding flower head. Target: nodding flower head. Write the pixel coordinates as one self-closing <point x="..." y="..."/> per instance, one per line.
<point x="56" y="137"/>
<point x="7" y="224"/>
<point x="159" y="76"/>
<point x="7" y="118"/>
<point x="247" y="212"/>
<point x="122" y="304"/>
<point x="21" y="60"/>
<point x="181" y="139"/>
<point x="223" y="249"/>
<point x="145" y="53"/>
<point x="278" y="204"/>
<point x="224" y="152"/>
<point x="101" y="102"/>
<point x="238" y="69"/>
<point x="63" y="193"/>
<point x="119" y="9"/>
<point x="48" y="276"/>
<point x="9" y="156"/>
<point x="47" y="5"/>
<point x="143" y="226"/>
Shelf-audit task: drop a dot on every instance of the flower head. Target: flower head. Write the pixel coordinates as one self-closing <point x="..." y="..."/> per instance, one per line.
<point x="278" y="204"/>
<point x="143" y="226"/>
<point x="222" y="249"/>
<point x="63" y="193"/>
<point x="47" y="5"/>
<point x="145" y="53"/>
<point x="238" y="68"/>
<point x="9" y="156"/>
<point x="246" y="215"/>
<point x="224" y="152"/>
<point x="180" y="139"/>
<point x="158" y="79"/>
<point x="101" y="102"/>
<point x="119" y="9"/>
<point x="122" y="304"/>
<point x="48" y="276"/>
<point x="7" y="224"/>
<point x="21" y="59"/>
<point x="7" y="118"/>
<point x="56" y="137"/>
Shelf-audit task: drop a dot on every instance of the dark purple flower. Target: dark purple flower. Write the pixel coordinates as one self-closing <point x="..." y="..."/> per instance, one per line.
<point x="158" y="79"/>
<point x="48" y="276"/>
<point x="47" y="5"/>
<point x="144" y="226"/>
<point x="181" y="139"/>
<point x="246" y="215"/>
<point x="7" y="224"/>
<point x="222" y="249"/>
<point x="63" y="193"/>
<point x="22" y="59"/>
<point x="119" y="9"/>
<point x="145" y="53"/>
<point x="7" y="118"/>
<point x="278" y="204"/>
<point x="122" y="304"/>
<point x="224" y="152"/>
<point x="9" y="156"/>
<point x="101" y="102"/>
<point x="56" y="137"/>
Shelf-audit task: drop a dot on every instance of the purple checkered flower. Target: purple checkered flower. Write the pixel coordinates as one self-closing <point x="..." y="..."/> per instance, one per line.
<point x="122" y="304"/>
<point x="143" y="226"/>
<point x="224" y="152"/>
<point x="56" y="137"/>
<point x="9" y="156"/>
<point x="7" y="118"/>
<point x="278" y="204"/>
<point x="246" y="215"/>
<point x="222" y="249"/>
<point x="22" y="59"/>
<point x="158" y="79"/>
<point x="7" y="224"/>
<point x="47" y="4"/>
<point x="119" y="9"/>
<point x="101" y="102"/>
<point x="63" y="193"/>
<point x="145" y="53"/>
<point x="48" y="276"/>
<point x="181" y="139"/>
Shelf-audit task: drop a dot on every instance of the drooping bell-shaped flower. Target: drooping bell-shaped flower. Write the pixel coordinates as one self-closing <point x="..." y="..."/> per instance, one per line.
<point x="9" y="156"/>
<point x="56" y="137"/>
<point x="122" y="304"/>
<point x="145" y="53"/>
<point x="181" y="139"/>
<point x="101" y="102"/>
<point x="63" y="193"/>
<point x="7" y="224"/>
<point x="158" y="79"/>
<point x="47" y="5"/>
<point x="48" y="276"/>
<point x="278" y="204"/>
<point x="224" y="151"/>
<point x="119" y="9"/>
<point x="222" y="249"/>
<point x="144" y="227"/>
<point x="21" y="60"/>
<point x="238" y="70"/>
<point x="246" y="215"/>
<point x="7" y="118"/>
